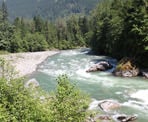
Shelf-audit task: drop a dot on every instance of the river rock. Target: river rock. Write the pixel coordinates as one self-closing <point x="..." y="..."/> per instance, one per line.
<point x="145" y="74"/>
<point x="102" y="118"/>
<point x="124" y="118"/>
<point x="126" y="68"/>
<point x="32" y="83"/>
<point x="101" y="66"/>
<point x="109" y="105"/>
<point x="126" y="73"/>
<point x="106" y="118"/>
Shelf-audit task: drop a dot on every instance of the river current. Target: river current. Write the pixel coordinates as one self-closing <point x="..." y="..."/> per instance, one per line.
<point x="132" y="93"/>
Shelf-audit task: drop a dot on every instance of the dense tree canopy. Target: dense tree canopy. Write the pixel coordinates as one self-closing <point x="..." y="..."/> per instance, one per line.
<point x="116" y="28"/>
<point x="120" y="29"/>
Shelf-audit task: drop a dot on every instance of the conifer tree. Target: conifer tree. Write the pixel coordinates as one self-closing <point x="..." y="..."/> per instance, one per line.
<point x="4" y="11"/>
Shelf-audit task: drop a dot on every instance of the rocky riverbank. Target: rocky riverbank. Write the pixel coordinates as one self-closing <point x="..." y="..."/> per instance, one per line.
<point x="26" y="63"/>
<point x="125" y="68"/>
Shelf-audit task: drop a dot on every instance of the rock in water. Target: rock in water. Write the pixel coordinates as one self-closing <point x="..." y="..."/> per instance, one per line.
<point x="126" y="68"/>
<point x="102" y="118"/>
<point x="125" y="118"/>
<point x="109" y="105"/>
<point x="33" y="83"/>
<point x="101" y="66"/>
<point x="145" y="74"/>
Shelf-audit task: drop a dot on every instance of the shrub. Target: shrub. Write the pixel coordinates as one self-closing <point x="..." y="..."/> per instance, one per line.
<point x="21" y="104"/>
<point x="69" y="104"/>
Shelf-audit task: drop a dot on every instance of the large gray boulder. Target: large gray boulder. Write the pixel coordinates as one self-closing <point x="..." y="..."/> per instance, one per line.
<point x="101" y="66"/>
<point x="109" y="105"/>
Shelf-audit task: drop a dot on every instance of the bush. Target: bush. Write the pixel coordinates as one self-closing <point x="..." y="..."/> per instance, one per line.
<point x="21" y="104"/>
<point x="69" y="104"/>
<point x="17" y="103"/>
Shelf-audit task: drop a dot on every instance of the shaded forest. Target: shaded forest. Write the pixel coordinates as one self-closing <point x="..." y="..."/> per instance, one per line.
<point x="115" y="28"/>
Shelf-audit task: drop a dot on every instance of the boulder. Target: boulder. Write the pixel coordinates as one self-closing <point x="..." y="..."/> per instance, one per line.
<point x="126" y="68"/>
<point x="125" y="118"/>
<point x="126" y="73"/>
<point x="111" y="118"/>
<point x="145" y="74"/>
<point x="102" y="118"/>
<point x="109" y="105"/>
<point x="32" y="83"/>
<point x="101" y="66"/>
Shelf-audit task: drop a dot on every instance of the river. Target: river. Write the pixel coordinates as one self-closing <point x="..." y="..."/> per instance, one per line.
<point x="132" y="93"/>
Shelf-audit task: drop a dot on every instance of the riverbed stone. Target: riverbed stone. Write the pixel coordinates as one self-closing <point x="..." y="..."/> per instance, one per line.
<point x="145" y="74"/>
<point x="101" y="66"/>
<point x="126" y="73"/>
<point x="100" y="118"/>
<point x="109" y="105"/>
<point x="105" y="118"/>
<point x="125" y="118"/>
<point x="126" y="68"/>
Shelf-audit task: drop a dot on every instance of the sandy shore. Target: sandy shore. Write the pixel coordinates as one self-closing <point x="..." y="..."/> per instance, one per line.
<point x="26" y="63"/>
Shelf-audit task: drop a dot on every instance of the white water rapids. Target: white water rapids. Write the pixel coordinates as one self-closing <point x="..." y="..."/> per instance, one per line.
<point x="132" y="93"/>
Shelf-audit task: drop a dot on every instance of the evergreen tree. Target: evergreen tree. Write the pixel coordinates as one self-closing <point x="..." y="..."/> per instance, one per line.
<point x="4" y="11"/>
<point x="38" y="23"/>
<point x="120" y="29"/>
<point x="136" y="28"/>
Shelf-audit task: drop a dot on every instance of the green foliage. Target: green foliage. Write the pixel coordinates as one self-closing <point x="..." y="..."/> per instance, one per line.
<point x="39" y="34"/>
<point x="36" y="42"/>
<point x="21" y="104"/>
<point x="6" y="70"/>
<point x="69" y="104"/>
<point x="6" y="35"/>
<point x="120" y="29"/>
<point x="17" y="103"/>
<point x="117" y="28"/>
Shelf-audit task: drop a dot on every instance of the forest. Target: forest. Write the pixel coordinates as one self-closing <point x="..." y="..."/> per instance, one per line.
<point x="116" y="28"/>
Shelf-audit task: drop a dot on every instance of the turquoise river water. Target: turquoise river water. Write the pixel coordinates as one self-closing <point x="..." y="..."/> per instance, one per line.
<point x="132" y="93"/>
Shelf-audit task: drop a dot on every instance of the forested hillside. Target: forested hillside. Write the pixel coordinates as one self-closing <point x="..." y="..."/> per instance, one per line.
<point x="49" y="9"/>
<point x="115" y="28"/>
<point x="121" y="29"/>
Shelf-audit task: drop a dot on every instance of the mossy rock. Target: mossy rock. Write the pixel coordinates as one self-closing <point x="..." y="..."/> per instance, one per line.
<point x="126" y="68"/>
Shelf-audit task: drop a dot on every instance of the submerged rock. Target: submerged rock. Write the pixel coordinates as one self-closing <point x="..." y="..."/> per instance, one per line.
<point x="101" y="66"/>
<point x="108" y="105"/>
<point x="33" y="83"/>
<point x="124" y="118"/>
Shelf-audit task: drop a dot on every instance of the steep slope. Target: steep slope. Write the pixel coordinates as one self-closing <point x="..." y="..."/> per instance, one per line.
<point x="49" y="9"/>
